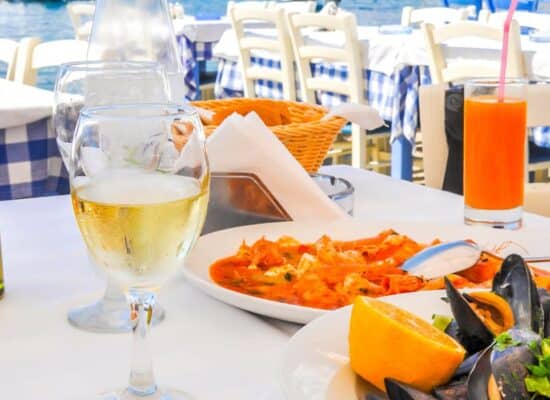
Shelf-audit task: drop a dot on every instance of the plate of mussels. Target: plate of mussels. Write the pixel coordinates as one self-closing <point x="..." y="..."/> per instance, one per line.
<point x="491" y="343"/>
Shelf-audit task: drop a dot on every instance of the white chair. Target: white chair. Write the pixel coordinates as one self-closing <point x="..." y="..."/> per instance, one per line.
<point x="280" y="46"/>
<point x="81" y="13"/>
<point x="294" y="6"/>
<point x="34" y="55"/>
<point x="444" y="69"/>
<point x="8" y="55"/>
<point x="432" y="120"/>
<point x="349" y="55"/>
<point x="433" y="15"/>
<point x="525" y="19"/>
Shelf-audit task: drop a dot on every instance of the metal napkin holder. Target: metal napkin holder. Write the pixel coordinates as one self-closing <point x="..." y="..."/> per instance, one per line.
<point x="240" y="198"/>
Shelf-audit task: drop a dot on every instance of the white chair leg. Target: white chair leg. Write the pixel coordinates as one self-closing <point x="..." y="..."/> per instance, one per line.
<point x="358" y="147"/>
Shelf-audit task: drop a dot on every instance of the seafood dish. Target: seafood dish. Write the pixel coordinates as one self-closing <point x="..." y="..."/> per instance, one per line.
<point x="505" y="336"/>
<point x="329" y="274"/>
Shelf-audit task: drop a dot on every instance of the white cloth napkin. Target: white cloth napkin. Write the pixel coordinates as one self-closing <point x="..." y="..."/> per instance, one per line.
<point x="245" y="144"/>
<point x="22" y="104"/>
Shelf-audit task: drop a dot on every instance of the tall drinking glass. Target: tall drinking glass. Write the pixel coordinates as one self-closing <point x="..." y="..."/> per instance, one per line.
<point x="494" y="153"/>
<point x="82" y="84"/>
<point x="140" y="202"/>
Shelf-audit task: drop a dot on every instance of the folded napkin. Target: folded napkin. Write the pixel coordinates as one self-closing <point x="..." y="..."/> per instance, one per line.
<point x="245" y="144"/>
<point x="22" y="104"/>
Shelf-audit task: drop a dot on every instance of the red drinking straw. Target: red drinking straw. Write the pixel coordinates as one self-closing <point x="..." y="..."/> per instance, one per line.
<point x="504" y="53"/>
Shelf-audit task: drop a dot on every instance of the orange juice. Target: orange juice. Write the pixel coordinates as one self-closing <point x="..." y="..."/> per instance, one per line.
<point x="494" y="152"/>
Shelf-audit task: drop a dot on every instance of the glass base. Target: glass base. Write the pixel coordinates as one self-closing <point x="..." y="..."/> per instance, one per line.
<point x="500" y="219"/>
<point x="160" y="394"/>
<point x="108" y="316"/>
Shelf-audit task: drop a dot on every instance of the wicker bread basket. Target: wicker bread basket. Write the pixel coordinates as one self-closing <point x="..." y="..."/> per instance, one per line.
<point x="306" y="137"/>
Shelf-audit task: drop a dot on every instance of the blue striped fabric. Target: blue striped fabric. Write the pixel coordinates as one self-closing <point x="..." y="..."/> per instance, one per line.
<point x="30" y="163"/>
<point x="394" y="96"/>
<point x="192" y="53"/>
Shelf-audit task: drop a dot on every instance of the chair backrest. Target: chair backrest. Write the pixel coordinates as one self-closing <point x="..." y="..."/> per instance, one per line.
<point x="465" y="3"/>
<point x="280" y="45"/>
<point x="432" y="121"/>
<point x="349" y="54"/>
<point x="294" y="6"/>
<point x="444" y="69"/>
<point x="524" y="5"/>
<point x="525" y="19"/>
<point x="34" y="55"/>
<point x="8" y="55"/>
<point x="433" y="15"/>
<point x="257" y="5"/>
<point x="80" y="12"/>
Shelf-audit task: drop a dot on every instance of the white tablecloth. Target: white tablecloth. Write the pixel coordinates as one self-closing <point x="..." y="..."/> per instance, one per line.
<point x="213" y="350"/>
<point x="22" y="104"/>
<point x="384" y="53"/>
<point x="207" y="30"/>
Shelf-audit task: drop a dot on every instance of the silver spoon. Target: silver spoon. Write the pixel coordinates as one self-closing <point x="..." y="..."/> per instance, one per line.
<point x="449" y="258"/>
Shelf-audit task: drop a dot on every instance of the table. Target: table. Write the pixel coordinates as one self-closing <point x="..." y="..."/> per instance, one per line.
<point x="30" y="164"/>
<point x="394" y="68"/>
<point x="196" y="39"/>
<point x="213" y="350"/>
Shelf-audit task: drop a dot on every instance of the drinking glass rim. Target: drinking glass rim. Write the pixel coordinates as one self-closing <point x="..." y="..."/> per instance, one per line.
<point x="165" y="110"/>
<point x="110" y="65"/>
<point x="494" y="82"/>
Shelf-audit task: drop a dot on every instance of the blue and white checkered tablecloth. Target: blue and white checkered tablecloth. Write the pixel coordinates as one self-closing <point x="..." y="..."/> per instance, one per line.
<point x="192" y="53"/>
<point x="394" y="96"/>
<point x="30" y="163"/>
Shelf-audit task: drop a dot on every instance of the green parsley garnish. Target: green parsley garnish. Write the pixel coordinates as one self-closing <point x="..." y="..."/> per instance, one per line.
<point x="505" y="340"/>
<point x="538" y="380"/>
<point x="441" y="322"/>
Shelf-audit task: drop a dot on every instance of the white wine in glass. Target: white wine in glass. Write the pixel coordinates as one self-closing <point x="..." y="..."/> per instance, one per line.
<point x="139" y="187"/>
<point x="88" y="84"/>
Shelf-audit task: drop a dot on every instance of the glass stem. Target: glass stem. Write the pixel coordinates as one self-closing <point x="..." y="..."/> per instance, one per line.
<point x="142" y="381"/>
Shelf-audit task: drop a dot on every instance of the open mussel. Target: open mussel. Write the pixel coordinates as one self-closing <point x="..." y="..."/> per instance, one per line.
<point x="515" y="284"/>
<point x="478" y="317"/>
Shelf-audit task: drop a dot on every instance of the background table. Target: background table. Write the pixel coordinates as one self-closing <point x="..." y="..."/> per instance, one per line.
<point x="30" y="163"/>
<point x="213" y="350"/>
<point x="394" y="66"/>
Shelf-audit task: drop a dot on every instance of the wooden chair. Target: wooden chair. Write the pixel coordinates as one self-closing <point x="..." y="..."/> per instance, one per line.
<point x="34" y="55"/>
<point x="443" y="70"/>
<point x="432" y="120"/>
<point x="8" y="55"/>
<point x="294" y="6"/>
<point x="348" y="55"/>
<point x="248" y="44"/>
<point x="434" y="15"/>
<point x="81" y="13"/>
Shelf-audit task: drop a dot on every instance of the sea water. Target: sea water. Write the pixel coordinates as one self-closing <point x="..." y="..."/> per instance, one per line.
<point x="49" y="19"/>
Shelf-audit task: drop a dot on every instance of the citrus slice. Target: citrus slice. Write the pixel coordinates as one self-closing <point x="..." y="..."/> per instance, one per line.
<point x="388" y="342"/>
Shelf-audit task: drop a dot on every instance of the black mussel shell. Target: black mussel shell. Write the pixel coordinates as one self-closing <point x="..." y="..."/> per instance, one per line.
<point x="467" y="365"/>
<point x="456" y="390"/>
<point x="471" y="331"/>
<point x="400" y="391"/>
<point x="509" y="365"/>
<point x="479" y="377"/>
<point x="544" y="297"/>
<point x="515" y="284"/>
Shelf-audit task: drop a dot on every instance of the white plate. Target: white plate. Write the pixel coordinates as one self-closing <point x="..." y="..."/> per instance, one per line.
<point x="316" y="360"/>
<point x="224" y="243"/>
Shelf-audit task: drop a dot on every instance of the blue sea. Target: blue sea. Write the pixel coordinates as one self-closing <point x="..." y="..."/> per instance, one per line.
<point x="49" y="19"/>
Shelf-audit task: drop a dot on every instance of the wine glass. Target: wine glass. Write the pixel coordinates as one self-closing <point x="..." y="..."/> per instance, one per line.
<point x="139" y="188"/>
<point x="82" y="84"/>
